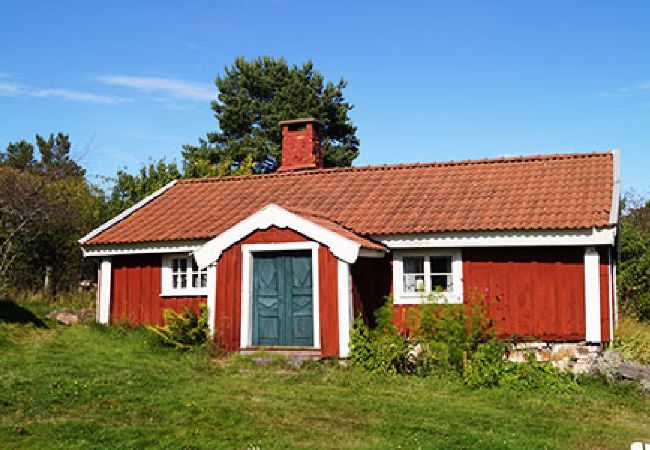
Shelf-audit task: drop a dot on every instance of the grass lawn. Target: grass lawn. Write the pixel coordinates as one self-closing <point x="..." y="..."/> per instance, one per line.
<point x="89" y="387"/>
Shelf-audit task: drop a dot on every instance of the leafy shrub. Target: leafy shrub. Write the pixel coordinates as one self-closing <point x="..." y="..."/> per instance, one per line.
<point x="448" y="332"/>
<point x="379" y="350"/>
<point x="183" y="331"/>
<point x="632" y="339"/>
<point x="488" y="368"/>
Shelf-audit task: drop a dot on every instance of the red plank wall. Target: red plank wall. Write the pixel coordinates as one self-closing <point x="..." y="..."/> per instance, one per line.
<point x="135" y="292"/>
<point x="228" y="308"/>
<point x="533" y="292"/>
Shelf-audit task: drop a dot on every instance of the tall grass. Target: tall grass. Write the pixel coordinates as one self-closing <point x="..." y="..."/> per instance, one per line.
<point x="632" y="339"/>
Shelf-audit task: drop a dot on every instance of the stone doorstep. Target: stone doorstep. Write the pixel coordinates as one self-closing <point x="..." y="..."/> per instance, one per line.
<point x="302" y="354"/>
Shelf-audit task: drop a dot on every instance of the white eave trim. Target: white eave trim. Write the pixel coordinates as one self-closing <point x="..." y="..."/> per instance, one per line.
<point x="616" y="186"/>
<point x="126" y="213"/>
<point x="142" y="248"/>
<point x="274" y="215"/>
<point x="533" y="238"/>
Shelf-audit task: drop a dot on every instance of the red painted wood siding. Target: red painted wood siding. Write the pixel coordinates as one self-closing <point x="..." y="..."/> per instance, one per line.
<point x="533" y="292"/>
<point x="604" y="294"/>
<point x="371" y="284"/>
<point x="229" y="273"/>
<point x="135" y="292"/>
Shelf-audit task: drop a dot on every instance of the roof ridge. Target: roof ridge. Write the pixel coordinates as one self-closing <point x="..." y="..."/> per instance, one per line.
<point x="402" y="166"/>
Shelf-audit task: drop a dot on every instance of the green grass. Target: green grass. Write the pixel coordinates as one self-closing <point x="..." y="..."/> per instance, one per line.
<point x="89" y="387"/>
<point x="633" y="339"/>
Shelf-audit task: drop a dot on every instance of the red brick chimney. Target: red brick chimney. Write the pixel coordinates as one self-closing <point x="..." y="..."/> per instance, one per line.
<point x="301" y="145"/>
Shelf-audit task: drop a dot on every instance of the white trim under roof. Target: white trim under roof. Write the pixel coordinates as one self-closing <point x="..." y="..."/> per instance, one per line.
<point x="142" y="248"/>
<point x="589" y="236"/>
<point x="616" y="187"/>
<point x="274" y="215"/>
<point x="126" y="213"/>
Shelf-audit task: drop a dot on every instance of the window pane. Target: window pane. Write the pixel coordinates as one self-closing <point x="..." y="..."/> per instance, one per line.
<point x="204" y="279"/>
<point x="174" y="281"/>
<point x="183" y="281"/>
<point x="440" y="264"/>
<point x="183" y="264"/>
<point x="175" y="264"/>
<point x="413" y="283"/>
<point x="414" y="264"/>
<point x="441" y="282"/>
<point x="195" y="268"/>
<point x="195" y="280"/>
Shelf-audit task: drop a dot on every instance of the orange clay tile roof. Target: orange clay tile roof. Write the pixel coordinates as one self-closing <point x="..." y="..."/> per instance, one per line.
<point x="569" y="191"/>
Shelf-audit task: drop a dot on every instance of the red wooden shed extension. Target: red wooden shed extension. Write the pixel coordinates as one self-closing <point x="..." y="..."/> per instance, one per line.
<point x="287" y="260"/>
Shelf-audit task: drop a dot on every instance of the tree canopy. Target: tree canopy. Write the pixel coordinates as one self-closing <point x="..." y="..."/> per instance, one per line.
<point x="254" y="95"/>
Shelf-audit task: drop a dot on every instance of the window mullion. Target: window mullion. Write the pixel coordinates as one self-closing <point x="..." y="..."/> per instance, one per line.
<point x="427" y="274"/>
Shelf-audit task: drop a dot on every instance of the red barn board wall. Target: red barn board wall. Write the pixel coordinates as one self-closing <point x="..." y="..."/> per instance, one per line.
<point x="532" y="292"/>
<point x="229" y="279"/>
<point x="135" y="292"/>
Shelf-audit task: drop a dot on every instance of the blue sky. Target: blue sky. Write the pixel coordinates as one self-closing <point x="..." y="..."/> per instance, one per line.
<point x="131" y="81"/>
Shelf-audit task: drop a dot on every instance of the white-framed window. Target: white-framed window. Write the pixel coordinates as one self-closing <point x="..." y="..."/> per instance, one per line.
<point x="181" y="276"/>
<point x="421" y="276"/>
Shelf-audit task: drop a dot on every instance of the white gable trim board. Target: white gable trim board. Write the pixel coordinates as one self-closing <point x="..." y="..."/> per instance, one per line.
<point x="274" y="215"/>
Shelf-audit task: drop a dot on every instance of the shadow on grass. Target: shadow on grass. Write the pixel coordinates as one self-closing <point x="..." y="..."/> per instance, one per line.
<point x="10" y="312"/>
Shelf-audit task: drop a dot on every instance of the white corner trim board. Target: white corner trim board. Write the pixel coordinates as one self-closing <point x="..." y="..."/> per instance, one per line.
<point x="616" y="187"/>
<point x="589" y="236"/>
<point x="212" y="297"/>
<point x="125" y="213"/>
<point x="274" y="215"/>
<point x="246" y="319"/>
<point x="344" y="308"/>
<point x="104" y="297"/>
<point x="592" y="295"/>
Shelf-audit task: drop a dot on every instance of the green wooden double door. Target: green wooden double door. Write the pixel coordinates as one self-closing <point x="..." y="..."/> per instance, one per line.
<point x="283" y="312"/>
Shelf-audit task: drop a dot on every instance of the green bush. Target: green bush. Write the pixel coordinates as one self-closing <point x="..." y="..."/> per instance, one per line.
<point x="183" y="331"/>
<point x="632" y="339"/>
<point x="378" y="350"/>
<point x="450" y="332"/>
<point x="488" y="368"/>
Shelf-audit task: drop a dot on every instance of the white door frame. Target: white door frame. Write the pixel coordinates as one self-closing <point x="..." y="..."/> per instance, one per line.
<point x="246" y="330"/>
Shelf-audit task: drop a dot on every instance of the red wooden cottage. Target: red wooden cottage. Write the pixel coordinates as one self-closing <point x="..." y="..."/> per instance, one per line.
<point x="288" y="259"/>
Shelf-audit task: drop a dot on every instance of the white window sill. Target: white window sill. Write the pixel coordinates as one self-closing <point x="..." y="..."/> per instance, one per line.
<point x="185" y="293"/>
<point x="411" y="298"/>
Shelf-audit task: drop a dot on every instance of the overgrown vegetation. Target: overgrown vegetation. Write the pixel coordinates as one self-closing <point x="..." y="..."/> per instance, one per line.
<point x="90" y="386"/>
<point x="185" y="330"/>
<point x="633" y="339"/>
<point x="452" y="340"/>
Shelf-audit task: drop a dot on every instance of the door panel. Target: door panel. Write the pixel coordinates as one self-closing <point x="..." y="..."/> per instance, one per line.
<point x="283" y="299"/>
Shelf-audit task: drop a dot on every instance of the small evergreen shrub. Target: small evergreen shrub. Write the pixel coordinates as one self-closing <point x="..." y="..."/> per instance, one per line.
<point x="183" y="331"/>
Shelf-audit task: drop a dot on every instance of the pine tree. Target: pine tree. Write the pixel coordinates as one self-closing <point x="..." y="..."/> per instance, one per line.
<point x="253" y="97"/>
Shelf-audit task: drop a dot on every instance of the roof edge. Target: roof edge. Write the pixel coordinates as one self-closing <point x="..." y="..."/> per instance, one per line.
<point x="124" y="214"/>
<point x="404" y="166"/>
<point x="616" y="186"/>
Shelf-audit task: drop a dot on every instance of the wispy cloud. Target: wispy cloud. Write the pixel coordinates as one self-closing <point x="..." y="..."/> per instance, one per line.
<point x="9" y="88"/>
<point x="627" y="91"/>
<point x="179" y="89"/>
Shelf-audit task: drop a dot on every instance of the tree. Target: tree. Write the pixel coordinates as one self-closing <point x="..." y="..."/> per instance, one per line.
<point x="46" y="205"/>
<point x="253" y="97"/>
<point x="129" y="189"/>
<point x="634" y="269"/>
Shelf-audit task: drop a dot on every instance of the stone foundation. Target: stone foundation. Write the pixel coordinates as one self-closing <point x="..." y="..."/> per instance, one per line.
<point x="577" y="357"/>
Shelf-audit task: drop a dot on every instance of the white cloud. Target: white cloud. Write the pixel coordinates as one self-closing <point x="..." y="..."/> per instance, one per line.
<point x="179" y="89"/>
<point x="627" y="91"/>
<point x="14" y="89"/>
